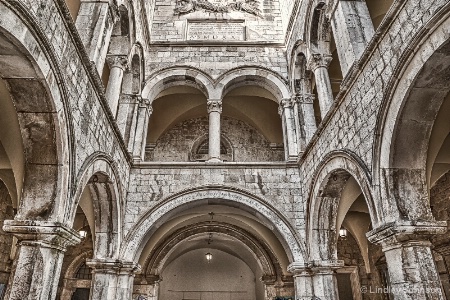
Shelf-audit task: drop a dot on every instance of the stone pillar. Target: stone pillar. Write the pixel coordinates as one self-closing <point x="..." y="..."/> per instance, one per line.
<point x="319" y="65"/>
<point x="352" y="29"/>
<point x="140" y="136"/>
<point x="39" y="257"/>
<point x="117" y="66"/>
<point x="304" y="112"/>
<point x="286" y="111"/>
<point x="95" y="22"/>
<point x="303" y="281"/>
<point x="111" y="279"/>
<point x="126" y="113"/>
<point x="214" y="111"/>
<point x="411" y="267"/>
<point x="324" y="279"/>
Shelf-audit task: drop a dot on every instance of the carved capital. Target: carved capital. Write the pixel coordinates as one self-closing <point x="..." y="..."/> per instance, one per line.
<point x="284" y="104"/>
<point x="113" y="266"/>
<point x="214" y="106"/>
<point x="318" y="60"/>
<point x="117" y="61"/>
<point x="396" y="234"/>
<point x="304" y="99"/>
<point x="45" y="234"/>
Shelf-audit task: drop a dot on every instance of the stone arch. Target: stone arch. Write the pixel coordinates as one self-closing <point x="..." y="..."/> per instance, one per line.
<point x="262" y="254"/>
<point x="318" y="28"/>
<point x="407" y="116"/>
<point x="100" y="176"/>
<point x="30" y="72"/>
<point x="323" y="201"/>
<point x="139" y="234"/>
<point x="163" y="79"/>
<point x="242" y="76"/>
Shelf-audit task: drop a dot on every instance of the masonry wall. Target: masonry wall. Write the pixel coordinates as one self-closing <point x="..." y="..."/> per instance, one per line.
<point x="6" y="240"/>
<point x="247" y="143"/>
<point x="279" y="184"/>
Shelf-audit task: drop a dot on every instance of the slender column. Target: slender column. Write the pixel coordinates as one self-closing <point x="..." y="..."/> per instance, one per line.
<point x="411" y="267"/>
<point x="324" y="280"/>
<point x="303" y="281"/>
<point x="117" y="67"/>
<point x="304" y="112"/>
<point x="95" y="23"/>
<point x="319" y="65"/>
<point x="214" y="111"/>
<point x="352" y="29"/>
<point x="39" y="257"/>
<point x="140" y="137"/>
<point x="111" y="279"/>
<point x="127" y="110"/>
<point x="289" y="129"/>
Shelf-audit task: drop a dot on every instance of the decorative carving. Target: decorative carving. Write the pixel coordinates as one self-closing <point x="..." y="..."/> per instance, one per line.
<point x="319" y="60"/>
<point x="214" y="106"/>
<point x="188" y="6"/>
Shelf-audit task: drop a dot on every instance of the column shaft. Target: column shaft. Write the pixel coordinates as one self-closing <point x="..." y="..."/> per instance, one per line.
<point x="114" y="86"/>
<point x="289" y="129"/>
<point x="319" y="64"/>
<point x="214" y="111"/>
<point x="95" y="23"/>
<point x="307" y="121"/>
<point x="140" y="137"/>
<point x="353" y="29"/>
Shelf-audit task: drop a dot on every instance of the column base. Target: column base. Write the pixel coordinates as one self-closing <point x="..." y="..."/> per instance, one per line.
<point x="214" y="160"/>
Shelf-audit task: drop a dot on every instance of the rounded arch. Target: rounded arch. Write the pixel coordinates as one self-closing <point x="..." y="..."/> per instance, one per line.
<point x="242" y="76"/>
<point x="134" y="76"/>
<point x="139" y="234"/>
<point x="99" y="194"/>
<point x="318" y="28"/>
<point x="407" y="116"/>
<point x="323" y="201"/>
<point x="43" y="174"/>
<point x="158" y="258"/>
<point x="178" y="75"/>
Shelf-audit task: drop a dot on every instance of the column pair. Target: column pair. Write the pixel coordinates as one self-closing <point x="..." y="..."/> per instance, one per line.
<point x="112" y="279"/>
<point x="410" y="262"/>
<point x="40" y="252"/>
<point x="315" y="280"/>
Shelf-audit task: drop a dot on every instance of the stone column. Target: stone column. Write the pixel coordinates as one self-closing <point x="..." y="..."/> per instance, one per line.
<point x="95" y="22"/>
<point x="126" y="113"/>
<point x="319" y="65"/>
<point x="352" y="29"/>
<point x="140" y="137"/>
<point x="303" y="281"/>
<point x="286" y="111"/>
<point x="304" y="111"/>
<point x="117" y="66"/>
<point x="111" y="279"/>
<point x="324" y="279"/>
<point x="39" y="257"/>
<point x="411" y="267"/>
<point x="214" y="111"/>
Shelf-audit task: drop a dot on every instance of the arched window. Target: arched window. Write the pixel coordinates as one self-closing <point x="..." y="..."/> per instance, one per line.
<point x="83" y="272"/>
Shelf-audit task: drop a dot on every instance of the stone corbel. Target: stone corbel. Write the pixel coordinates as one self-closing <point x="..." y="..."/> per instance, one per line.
<point x="45" y="234"/>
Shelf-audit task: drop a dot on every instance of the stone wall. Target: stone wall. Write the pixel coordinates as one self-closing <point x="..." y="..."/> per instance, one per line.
<point x="216" y="60"/>
<point x="278" y="184"/>
<point x="247" y="143"/>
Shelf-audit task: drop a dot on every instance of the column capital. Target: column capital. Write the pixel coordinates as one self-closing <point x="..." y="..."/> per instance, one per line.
<point x="319" y="60"/>
<point x="113" y="266"/>
<point x="117" y="61"/>
<point x="53" y="235"/>
<point x="214" y="106"/>
<point x="285" y="103"/>
<point x="399" y="233"/>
